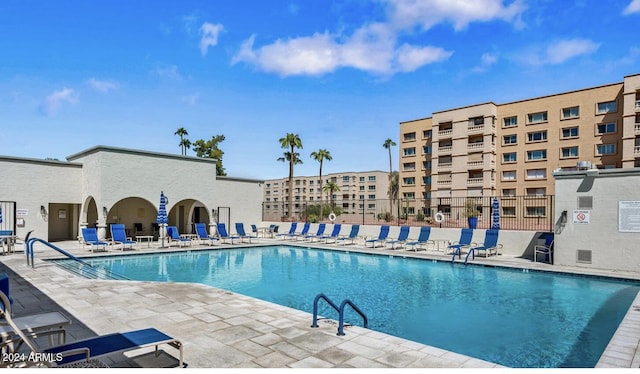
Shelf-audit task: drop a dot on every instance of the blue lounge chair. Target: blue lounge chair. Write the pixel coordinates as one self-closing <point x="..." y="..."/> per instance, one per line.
<point x="382" y="237"/>
<point x="242" y="234"/>
<point x="466" y="235"/>
<point x="353" y="235"/>
<point x="490" y="244"/>
<point x="272" y="230"/>
<point x="88" y="350"/>
<point x="318" y="234"/>
<point x="402" y="237"/>
<point x="303" y="232"/>
<point x="119" y="236"/>
<point x="291" y="233"/>
<point x="174" y="236"/>
<point x="544" y="249"/>
<point x="90" y="236"/>
<point x="223" y="235"/>
<point x="334" y="234"/>
<point x="203" y="235"/>
<point x="4" y="286"/>
<point x="423" y="238"/>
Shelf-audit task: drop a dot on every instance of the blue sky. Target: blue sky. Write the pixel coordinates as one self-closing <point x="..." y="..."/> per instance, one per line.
<point x="342" y="74"/>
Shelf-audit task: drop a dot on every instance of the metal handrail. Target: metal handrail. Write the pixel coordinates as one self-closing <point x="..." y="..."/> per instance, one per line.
<point x="29" y="251"/>
<point x="340" y="311"/>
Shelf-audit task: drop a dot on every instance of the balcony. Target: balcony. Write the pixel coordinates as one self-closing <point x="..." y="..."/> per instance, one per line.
<point x="637" y="128"/>
<point x="444" y="182"/>
<point x="475" y="146"/>
<point x="637" y="104"/>
<point x="445" y="149"/>
<point x="474" y="181"/>
<point x="445" y="133"/>
<point x="636" y="151"/>
<point x="475" y="128"/>
<point x="444" y="166"/>
<point x="474" y="163"/>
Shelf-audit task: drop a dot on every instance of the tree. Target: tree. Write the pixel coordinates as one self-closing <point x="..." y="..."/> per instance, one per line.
<point x="210" y="149"/>
<point x="388" y="144"/>
<point x="394" y="189"/>
<point x="321" y="155"/>
<point x="185" y="144"/>
<point x="330" y="188"/>
<point x="291" y="141"/>
<point x="182" y="132"/>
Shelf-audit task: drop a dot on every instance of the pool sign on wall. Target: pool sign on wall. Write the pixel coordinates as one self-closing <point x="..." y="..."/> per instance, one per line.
<point x="581" y="216"/>
<point x="629" y="216"/>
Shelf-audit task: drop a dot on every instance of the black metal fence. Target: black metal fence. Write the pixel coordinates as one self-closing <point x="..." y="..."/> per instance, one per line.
<point x="530" y="213"/>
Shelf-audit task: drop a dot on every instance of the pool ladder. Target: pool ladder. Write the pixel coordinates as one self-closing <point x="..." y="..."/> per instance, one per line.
<point x="340" y="310"/>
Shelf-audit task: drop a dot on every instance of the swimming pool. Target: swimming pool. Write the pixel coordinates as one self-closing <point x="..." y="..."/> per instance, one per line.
<point x="506" y="316"/>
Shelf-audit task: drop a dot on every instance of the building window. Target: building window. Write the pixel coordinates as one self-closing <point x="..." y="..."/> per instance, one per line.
<point x="361" y="188"/>
<point x="607" y="107"/>
<point x="371" y="206"/>
<point x="361" y="179"/>
<point x="569" y="152"/>
<point x="426" y="180"/>
<point x="509" y="192"/>
<point x="573" y="112"/>
<point x="537" y="191"/>
<point x="509" y="175"/>
<point x="409" y="166"/>
<point x="537" y="155"/>
<point x="537" y="117"/>
<point x="509" y="211"/>
<point x="509" y="157"/>
<point x="372" y="197"/>
<point x="410" y="180"/>
<point x="476" y="121"/>
<point x="535" y="211"/>
<point x="409" y="195"/>
<point x="605" y="149"/>
<point x="426" y="164"/>
<point x="372" y="188"/>
<point x="372" y="178"/>
<point x="410" y="136"/>
<point x="345" y="179"/>
<point x="361" y="197"/>
<point x="510" y="139"/>
<point x="605" y="128"/>
<point x="409" y="151"/>
<point x="510" y="121"/>
<point x="536" y="173"/>
<point x="426" y="134"/>
<point x="538" y="136"/>
<point x="426" y="149"/>
<point x="569" y="132"/>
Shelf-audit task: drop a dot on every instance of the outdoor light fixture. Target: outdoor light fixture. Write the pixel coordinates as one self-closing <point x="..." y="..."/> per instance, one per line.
<point x="563" y="217"/>
<point x="104" y="211"/>
<point x="43" y="211"/>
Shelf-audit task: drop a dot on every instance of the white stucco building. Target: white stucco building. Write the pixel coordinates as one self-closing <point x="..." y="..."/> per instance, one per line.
<point x="104" y="185"/>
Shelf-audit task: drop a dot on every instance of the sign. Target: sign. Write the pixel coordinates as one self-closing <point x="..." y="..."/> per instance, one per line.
<point x="629" y="216"/>
<point x="581" y="216"/>
<point x="22" y="212"/>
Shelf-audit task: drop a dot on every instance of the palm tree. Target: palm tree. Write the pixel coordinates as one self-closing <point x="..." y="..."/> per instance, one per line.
<point x="321" y="155"/>
<point x="330" y="188"/>
<point x="394" y="188"/>
<point x="291" y="141"/>
<point x="182" y="132"/>
<point x="292" y="159"/>
<point x="388" y="144"/>
<point x="185" y="144"/>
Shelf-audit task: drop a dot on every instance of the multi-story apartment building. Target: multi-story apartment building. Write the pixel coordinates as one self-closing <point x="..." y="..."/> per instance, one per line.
<point x="358" y="192"/>
<point x="512" y="149"/>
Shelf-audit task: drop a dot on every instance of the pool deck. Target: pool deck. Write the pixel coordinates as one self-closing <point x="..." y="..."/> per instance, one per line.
<point x="221" y="329"/>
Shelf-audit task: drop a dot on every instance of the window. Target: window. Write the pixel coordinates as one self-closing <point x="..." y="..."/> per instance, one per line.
<point x="476" y="121"/>
<point x="409" y="166"/>
<point x="573" y="112"/>
<point x="426" y="180"/>
<point x="371" y="197"/>
<point x="536" y="173"/>
<point x="409" y="195"/>
<point x="605" y="149"/>
<point x="409" y="136"/>
<point x="509" y="211"/>
<point x="537" y="191"/>
<point x="361" y="197"/>
<point x="361" y="179"/>
<point x="372" y="188"/>
<point x="569" y="152"/>
<point x="510" y="139"/>
<point x="410" y="180"/>
<point x="510" y="121"/>
<point x="361" y="188"/>
<point x="409" y="151"/>
<point x="537" y="155"/>
<point x="605" y="128"/>
<point x="569" y="132"/>
<point x="509" y="192"/>
<point x="606" y="107"/>
<point x="372" y="178"/>
<point x="345" y="179"/>
<point x="538" y="136"/>
<point x="537" y="117"/>
<point x="535" y="211"/>
<point x="509" y="157"/>
<point x="426" y="134"/>
<point x="509" y="175"/>
<point x="426" y="149"/>
<point x="426" y="164"/>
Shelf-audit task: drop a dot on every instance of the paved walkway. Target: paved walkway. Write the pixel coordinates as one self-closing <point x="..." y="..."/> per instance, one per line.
<point x="221" y="329"/>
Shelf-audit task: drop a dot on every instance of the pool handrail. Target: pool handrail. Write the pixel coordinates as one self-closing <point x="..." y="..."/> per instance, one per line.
<point x="30" y="254"/>
<point x="339" y="309"/>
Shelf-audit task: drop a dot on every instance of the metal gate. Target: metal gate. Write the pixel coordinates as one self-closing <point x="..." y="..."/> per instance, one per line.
<point x="224" y="216"/>
<point x="8" y="215"/>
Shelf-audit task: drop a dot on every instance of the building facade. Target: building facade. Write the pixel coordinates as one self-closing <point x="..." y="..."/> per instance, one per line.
<point x="512" y="149"/>
<point x="358" y="192"/>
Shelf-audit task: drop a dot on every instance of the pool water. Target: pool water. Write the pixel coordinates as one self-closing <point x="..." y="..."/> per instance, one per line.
<point x="511" y="317"/>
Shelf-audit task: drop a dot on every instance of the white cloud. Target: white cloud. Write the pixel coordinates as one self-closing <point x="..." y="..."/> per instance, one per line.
<point x="169" y="72"/>
<point x="190" y="100"/>
<point x="411" y="58"/>
<point x="564" y="50"/>
<point x="209" y="34"/>
<point x="633" y="7"/>
<point x="103" y="86"/>
<point x="53" y="102"/>
<point x="427" y="13"/>
<point x="486" y="61"/>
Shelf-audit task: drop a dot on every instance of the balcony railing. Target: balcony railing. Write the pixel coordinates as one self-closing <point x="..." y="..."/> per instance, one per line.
<point x="445" y="149"/>
<point x="445" y="165"/>
<point x="474" y="163"/>
<point x="445" y="132"/>
<point x="474" y="181"/>
<point x="637" y="104"/>
<point x="636" y="150"/>
<point x="444" y="182"/>
<point x="475" y="128"/>
<point x="637" y="128"/>
<point x="475" y="146"/>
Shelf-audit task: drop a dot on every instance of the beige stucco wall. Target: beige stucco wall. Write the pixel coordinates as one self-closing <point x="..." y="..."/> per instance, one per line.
<point x="244" y="197"/>
<point x="610" y="249"/>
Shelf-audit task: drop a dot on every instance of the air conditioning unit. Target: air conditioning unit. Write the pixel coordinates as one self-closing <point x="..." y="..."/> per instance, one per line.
<point x="584" y="165"/>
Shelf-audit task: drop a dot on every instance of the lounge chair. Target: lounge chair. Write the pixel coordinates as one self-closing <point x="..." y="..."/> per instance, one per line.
<point x="318" y="234"/>
<point x="174" y="236"/>
<point x="402" y="238"/>
<point x="290" y="234"/>
<point x="335" y="234"/>
<point x="490" y="244"/>
<point x="242" y="234"/>
<point x="272" y="230"/>
<point x="90" y="237"/>
<point x="544" y="249"/>
<point x="223" y="235"/>
<point x="303" y="233"/>
<point x="382" y="237"/>
<point x="353" y="235"/>
<point x="466" y="235"/>
<point x="203" y="235"/>
<point x="423" y="239"/>
<point x="119" y="236"/>
<point x="254" y="230"/>
<point x="4" y="286"/>
<point x="83" y="353"/>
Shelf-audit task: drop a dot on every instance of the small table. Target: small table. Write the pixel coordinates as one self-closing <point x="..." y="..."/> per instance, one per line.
<point x="144" y="238"/>
<point x="34" y="324"/>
